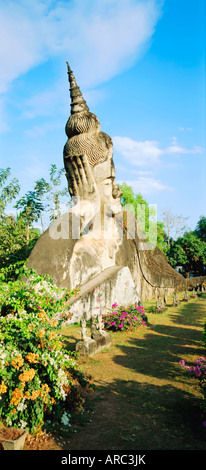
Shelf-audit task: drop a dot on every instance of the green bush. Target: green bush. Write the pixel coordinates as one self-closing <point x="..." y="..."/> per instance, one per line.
<point x="37" y="374"/>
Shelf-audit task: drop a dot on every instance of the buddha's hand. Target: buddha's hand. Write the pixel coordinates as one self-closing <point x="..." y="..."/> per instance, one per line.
<point x="83" y="188"/>
<point x="81" y="180"/>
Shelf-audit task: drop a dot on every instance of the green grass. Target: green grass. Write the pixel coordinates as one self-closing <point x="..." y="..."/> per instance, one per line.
<point x="143" y="398"/>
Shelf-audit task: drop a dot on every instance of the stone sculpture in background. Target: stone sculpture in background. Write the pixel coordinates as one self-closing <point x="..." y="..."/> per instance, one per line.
<point x="186" y="296"/>
<point x="175" y="300"/>
<point x="160" y="305"/>
<point x="193" y="295"/>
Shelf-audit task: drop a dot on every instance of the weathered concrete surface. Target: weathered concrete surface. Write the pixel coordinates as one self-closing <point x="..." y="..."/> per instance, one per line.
<point x="91" y="346"/>
<point x="113" y="285"/>
<point x="195" y="281"/>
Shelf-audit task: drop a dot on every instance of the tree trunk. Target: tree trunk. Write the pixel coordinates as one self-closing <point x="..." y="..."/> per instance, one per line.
<point x="42" y="227"/>
<point x="27" y="234"/>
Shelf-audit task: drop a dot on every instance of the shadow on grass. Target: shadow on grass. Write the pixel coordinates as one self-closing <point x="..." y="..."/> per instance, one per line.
<point x="134" y="416"/>
<point x="191" y="313"/>
<point x="142" y="410"/>
<point x="158" y="353"/>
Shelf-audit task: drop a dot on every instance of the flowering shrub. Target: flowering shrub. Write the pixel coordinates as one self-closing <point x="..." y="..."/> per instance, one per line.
<point x="198" y="372"/>
<point x="31" y="292"/>
<point x="123" y="318"/>
<point x="37" y="373"/>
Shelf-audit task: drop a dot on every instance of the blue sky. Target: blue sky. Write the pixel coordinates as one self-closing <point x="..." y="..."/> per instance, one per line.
<point x="140" y="66"/>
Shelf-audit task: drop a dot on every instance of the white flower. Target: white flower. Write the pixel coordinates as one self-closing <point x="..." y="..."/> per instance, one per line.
<point x="8" y="422"/>
<point x="21" y="406"/>
<point x="22" y="423"/>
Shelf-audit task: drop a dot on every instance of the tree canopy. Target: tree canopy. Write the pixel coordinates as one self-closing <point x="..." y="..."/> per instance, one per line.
<point x="189" y="251"/>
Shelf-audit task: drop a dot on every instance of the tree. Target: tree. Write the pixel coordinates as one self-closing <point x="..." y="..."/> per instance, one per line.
<point x="52" y="193"/>
<point x="31" y="209"/>
<point x="133" y="200"/>
<point x="55" y="181"/>
<point x="14" y="246"/>
<point x="161" y="237"/>
<point x="188" y="251"/>
<point x="128" y="198"/>
<point x="8" y="192"/>
<point x="174" y="224"/>
<point x="201" y="228"/>
<point x="41" y="188"/>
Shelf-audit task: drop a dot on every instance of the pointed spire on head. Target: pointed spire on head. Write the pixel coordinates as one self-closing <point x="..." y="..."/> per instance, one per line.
<point x="78" y="104"/>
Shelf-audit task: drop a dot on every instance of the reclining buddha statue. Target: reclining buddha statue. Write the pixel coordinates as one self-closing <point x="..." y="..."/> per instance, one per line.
<point x="90" y="243"/>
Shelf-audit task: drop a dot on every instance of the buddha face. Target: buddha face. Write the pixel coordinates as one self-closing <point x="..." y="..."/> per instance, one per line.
<point x="110" y="192"/>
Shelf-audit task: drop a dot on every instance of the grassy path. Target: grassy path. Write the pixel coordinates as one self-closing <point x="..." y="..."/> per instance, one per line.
<point x="143" y="399"/>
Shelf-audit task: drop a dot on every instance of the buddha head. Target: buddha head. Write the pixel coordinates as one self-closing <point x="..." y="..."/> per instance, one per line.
<point x="85" y="137"/>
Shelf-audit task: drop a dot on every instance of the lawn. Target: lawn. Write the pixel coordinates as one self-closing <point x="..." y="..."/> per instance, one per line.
<point x="143" y="400"/>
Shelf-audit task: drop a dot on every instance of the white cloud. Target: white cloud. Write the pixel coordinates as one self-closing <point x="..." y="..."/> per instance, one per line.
<point x="101" y="38"/>
<point x="148" y="153"/>
<point x="23" y="39"/>
<point x="175" y="148"/>
<point x="137" y="152"/>
<point x="147" y="185"/>
<point x="182" y="129"/>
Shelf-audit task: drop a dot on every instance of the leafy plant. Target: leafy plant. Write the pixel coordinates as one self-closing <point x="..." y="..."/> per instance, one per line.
<point x="37" y="374"/>
<point x="123" y="318"/>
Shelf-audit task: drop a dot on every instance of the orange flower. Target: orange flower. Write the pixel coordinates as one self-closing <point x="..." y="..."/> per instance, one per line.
<point x="3" y="387"/>
<point x="17" y="362"/>
<point x="53" y="322"/>
<point x="32" y="358"/>
<point x="41" y="333"/>
<point x="34" y="395"/>
<point x="42" y="314"/>
<point x="27" y="375"/>
<point x="44" y="392"/>
<point x="16" y="396"/>
<point x="52" y="335"/>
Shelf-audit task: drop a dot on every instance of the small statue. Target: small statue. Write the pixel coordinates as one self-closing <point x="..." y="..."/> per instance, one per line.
<point x="175" y="300"/>
<point x="93" y="327"/>
<point x="100" y="322"/>
<point x="160" y="305"/>
<point x="193" y="292"/>
<point x="84" y="329"/>
<point x="186" y="297"/>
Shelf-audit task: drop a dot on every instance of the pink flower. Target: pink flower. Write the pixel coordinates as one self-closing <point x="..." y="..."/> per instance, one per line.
<point x="113" y="323"/>
<point x="182" y="363"/>
<point x="114" y="305"/>
<point x="121" y="326"/>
